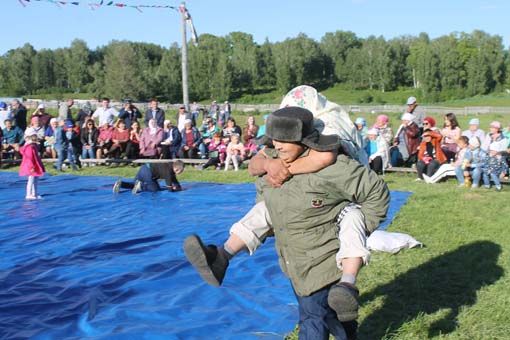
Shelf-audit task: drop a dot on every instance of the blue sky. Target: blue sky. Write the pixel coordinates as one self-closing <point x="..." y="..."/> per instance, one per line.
<point x="45" y="25"/>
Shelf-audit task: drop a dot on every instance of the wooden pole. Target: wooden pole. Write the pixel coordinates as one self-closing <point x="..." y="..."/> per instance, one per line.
<point x="184" y="57"/>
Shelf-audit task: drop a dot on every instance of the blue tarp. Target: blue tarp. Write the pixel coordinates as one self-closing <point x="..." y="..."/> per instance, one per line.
<point x="83" y="262"/>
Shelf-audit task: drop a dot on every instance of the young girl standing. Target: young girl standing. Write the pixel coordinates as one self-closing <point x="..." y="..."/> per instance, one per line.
<point x="31" y="166"/>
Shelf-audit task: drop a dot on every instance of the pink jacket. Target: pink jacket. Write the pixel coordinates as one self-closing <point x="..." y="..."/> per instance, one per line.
<point x="149" y="143"/>
<point x="31" y="164"/>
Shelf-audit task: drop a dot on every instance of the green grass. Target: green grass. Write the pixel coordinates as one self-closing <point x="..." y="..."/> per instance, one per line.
<point x="343" y="94"/>
<point x="456" y="287"/>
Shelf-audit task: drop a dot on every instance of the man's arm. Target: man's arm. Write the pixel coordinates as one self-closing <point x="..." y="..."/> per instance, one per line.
<point x="313" y="162"/>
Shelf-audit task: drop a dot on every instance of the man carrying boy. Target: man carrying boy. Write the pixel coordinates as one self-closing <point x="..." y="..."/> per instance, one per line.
<point x="147" y="178"/>
<point x="306" y="215"/>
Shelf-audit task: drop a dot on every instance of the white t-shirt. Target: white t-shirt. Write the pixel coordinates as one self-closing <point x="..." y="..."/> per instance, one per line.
<point x="105" y="115"/>
<point x="180" y="123"/>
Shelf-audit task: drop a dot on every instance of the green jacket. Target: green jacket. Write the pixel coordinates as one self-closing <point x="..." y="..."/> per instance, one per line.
<point x="303" y="213"/>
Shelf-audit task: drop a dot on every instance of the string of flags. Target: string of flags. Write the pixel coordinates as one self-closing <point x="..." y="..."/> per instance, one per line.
<point x="96" y="5"/>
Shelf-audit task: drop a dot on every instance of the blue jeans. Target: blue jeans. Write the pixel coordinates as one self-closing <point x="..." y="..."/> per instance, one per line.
<point x="88" y="153"/>
<point x="459" y="173"/>
<point x="144" y="175"/>
<point x="396" y="158"/>
<point x="488" y="177"/>
<point x="60" y="157"/>
<point x="70" y="157"/>
<point x="476" y="175"/>
<point x="316" y="319"/>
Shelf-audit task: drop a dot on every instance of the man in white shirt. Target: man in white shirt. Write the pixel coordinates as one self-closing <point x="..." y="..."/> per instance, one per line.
<point x="105" y="113"/>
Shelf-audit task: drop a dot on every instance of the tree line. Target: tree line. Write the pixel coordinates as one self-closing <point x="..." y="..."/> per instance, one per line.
<point x="452" y="66"/>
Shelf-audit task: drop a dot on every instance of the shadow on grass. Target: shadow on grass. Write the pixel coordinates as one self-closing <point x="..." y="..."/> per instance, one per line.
<point x="449" y="281"/>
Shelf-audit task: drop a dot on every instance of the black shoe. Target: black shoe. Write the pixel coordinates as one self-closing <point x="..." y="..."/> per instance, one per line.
<point x="343" y="299"/>
<point x="210" y="262"/>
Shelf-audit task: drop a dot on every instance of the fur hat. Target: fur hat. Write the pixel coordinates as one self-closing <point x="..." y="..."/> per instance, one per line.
<point x="295" y="124"/>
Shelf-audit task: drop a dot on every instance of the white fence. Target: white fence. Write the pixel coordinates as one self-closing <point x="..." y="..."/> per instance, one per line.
<point x="266" y="108"/>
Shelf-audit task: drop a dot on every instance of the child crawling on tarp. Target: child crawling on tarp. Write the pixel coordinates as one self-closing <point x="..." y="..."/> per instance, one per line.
<point x="147" y="178"/>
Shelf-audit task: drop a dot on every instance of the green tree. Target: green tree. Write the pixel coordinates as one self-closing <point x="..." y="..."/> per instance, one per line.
<point x="169" y="75"/>
<point x="122" y="75"/>
<point x="43" y="74"/>
<point x="336" y="46"/>
<point x="266" y="73"/>
<point x="77" y="63"/>
<point x="242" y="53"/>
<point x="18" y="70"/>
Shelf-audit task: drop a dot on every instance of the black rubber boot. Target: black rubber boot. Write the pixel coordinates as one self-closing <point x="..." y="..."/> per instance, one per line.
<point x="210" y="262"/>
<point x="343" y="299"/>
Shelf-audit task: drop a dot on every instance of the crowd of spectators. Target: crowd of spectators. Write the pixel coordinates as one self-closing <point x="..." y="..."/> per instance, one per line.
<point x="473" y="156"/>
<point x="104" y="133"/>
<point x="476" y="158"/>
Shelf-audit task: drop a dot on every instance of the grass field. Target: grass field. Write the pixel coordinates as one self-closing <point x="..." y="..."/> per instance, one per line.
<point x="341" y="94"/>
<point x="456" y="287"/>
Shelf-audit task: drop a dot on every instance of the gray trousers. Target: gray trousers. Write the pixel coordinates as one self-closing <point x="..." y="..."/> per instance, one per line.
<point x="255" y="226"/>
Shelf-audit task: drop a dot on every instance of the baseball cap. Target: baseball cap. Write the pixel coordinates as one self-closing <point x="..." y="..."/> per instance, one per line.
<point x="411" y="100"/>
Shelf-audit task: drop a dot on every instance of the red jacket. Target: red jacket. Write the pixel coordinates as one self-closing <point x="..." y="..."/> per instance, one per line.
<point x="436" y="142"/>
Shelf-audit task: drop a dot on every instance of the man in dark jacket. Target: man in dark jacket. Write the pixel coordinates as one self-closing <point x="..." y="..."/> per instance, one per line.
<point x="129" y="113"/>
<point x="147" y="178"/>
<point x="155" y="112"/>
<point x="19" y="114"/>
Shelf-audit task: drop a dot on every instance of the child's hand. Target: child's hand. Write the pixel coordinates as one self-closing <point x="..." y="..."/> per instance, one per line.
<point x="277" y="172"/>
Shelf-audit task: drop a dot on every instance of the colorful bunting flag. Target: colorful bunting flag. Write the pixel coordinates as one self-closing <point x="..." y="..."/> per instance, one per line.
<point x="95" y="5"/>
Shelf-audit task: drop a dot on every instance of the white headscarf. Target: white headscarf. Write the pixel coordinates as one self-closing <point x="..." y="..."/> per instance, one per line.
<point x="330" y="118"/>
<point x="153" y="128"/>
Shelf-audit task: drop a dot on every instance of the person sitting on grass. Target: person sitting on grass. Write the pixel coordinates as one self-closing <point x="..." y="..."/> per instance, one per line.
<point x="120" y="138"/>
<point x="494" y="165"/>
<point x="430" y="156"/>
<point x="150" y="139"/>
<point x="319" y="201"/>
<point x="147" y="178"/>
<point x="235" y="152"/>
